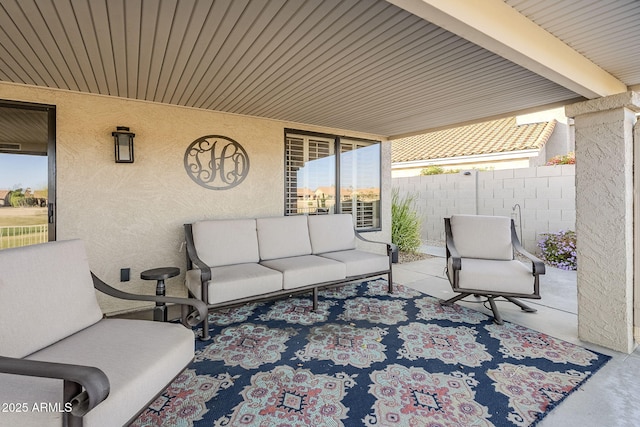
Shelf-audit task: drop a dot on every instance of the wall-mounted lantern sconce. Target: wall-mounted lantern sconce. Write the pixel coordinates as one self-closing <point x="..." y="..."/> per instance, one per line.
<point x="124" y="144"/>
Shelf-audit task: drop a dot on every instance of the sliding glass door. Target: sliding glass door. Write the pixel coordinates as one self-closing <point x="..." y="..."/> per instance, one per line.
<point x="27" y="165"/>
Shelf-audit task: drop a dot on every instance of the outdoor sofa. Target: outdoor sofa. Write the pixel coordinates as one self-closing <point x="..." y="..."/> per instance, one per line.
<point x="61" y="361"/>
<point x="234" y="261"/>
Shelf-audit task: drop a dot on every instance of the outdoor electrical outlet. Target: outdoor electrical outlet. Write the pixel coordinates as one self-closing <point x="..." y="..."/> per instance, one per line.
<point x="124" y="274"/>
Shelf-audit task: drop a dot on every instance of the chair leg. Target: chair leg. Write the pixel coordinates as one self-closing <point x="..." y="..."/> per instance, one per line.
<point x="497" y="319"/>
<point x="454" y="299"/>
<point x="522" y="305"/>
<point x="70" y="389"/>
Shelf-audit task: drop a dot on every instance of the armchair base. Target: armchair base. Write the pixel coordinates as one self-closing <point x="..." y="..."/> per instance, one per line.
<point x="497" y="318"/>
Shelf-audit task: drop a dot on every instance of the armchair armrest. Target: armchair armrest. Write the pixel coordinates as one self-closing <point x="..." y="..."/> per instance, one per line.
<point x="452" y="252"/>
<point x="192" y="255"/>
<point x="191" y="320"/>
<point x="536" y="264"/>
<point x="388" y="245"/>
<point x="94" y="382"/>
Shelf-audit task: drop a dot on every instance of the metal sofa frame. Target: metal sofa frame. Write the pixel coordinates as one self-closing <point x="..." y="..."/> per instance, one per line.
<point x="205" y="275"/>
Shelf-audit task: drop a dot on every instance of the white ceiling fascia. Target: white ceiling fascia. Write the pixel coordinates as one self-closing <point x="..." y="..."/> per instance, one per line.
<point x="499" y="28"/>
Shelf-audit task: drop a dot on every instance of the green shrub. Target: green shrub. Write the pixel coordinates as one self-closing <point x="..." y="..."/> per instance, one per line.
<point x="16" y="198"/>
<point x="405" y="224"/>
<point x="437" y="170"/>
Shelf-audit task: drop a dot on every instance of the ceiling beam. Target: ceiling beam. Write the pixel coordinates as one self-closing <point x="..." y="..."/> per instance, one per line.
<point x="499" y="28"/>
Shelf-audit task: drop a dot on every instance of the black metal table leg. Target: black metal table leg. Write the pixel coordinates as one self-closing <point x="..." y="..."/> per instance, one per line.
<point x="160" y="275"/>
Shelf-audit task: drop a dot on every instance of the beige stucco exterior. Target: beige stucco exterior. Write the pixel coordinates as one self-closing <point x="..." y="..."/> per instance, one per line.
<point x="132" y="215"/>
<point x="604" y="219"/>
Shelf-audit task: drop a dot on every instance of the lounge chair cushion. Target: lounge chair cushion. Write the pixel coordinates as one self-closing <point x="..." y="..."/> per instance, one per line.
<point x="484" y="237"/>
<point x="225" y="242"/>
<point x="283" y="237"/>
<point x="359" y="262"/>
<point x="54" y="278"/>
<point x="235" y="281"/>
<point x="307" y="270"/>
<point x="139" y="357"/>
<point x="495" y="276"/>
<point x="331" y="233"/>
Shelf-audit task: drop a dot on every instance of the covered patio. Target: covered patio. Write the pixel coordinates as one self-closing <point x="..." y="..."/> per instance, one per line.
<point x="375" y="70"/>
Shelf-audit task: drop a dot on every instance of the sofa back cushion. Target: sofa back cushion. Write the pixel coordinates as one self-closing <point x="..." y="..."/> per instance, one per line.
<point x="46" y="294"/>
<point x="330" y="233"/>
<point x="484" y="237"/>
<point x="283" y="237"/>
<point x="226" y="242"/>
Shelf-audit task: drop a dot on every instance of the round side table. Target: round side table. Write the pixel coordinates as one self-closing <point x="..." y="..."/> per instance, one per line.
<point x="160" y="274"/>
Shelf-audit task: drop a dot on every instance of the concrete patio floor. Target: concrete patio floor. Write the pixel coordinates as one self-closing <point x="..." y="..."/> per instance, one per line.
<point x="610" y="398"/>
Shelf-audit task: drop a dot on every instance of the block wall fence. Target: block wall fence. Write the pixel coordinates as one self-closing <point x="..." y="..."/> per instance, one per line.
<point x="542" y="199"/>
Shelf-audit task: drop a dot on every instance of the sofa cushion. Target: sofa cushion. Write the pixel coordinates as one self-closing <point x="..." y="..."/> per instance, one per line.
<point x="359" y="262"/>
<point x="52" y="279"/>
<point x="495" y="276"/>
<point x="307" y="270"/>
<point x="225" y="242"/>
<point x="283" y="237"/>
<point x="235" y="281"/>
<point x="331" y="233"/>
<point x="485" y="237"/>
<point x="138" y="356"/>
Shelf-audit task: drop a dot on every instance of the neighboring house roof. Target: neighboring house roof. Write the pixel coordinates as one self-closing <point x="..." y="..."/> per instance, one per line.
<point x="496" y="136"/>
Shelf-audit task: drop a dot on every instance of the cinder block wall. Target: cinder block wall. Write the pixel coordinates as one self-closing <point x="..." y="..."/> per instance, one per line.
<point x="545" y="195"/>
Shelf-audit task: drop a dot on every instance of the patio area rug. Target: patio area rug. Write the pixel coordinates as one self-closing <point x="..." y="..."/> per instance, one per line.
<point x="368" y="358"/>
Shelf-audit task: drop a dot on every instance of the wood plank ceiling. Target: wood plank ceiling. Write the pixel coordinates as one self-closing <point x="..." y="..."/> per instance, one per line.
<point x="362" y="65"/>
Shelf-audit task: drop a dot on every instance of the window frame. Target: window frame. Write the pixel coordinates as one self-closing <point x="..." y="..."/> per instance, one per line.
<point x="337" y="145"/>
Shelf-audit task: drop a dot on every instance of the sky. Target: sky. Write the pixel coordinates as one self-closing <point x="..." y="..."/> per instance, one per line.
<point x="22" y="171"/>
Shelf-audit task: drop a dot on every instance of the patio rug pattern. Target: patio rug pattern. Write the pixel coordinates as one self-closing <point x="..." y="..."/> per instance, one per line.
<point x="366" y="357"/>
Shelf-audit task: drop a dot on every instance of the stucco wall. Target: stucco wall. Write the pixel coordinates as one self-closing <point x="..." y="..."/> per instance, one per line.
<point x="546" y="196"/>
<point x="132" y="215"/>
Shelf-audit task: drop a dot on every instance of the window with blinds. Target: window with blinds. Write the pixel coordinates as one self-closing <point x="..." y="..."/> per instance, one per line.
<point x="312" y="170"/>
<point x="310" y="175"/>
<point x="360" y="182"/>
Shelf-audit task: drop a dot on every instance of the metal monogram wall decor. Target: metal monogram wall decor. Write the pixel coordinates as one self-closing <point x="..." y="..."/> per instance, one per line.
<point x="216" y="162"/>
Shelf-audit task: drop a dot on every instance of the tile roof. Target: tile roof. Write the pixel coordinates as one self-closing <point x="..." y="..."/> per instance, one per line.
<point x="496" y="136"/>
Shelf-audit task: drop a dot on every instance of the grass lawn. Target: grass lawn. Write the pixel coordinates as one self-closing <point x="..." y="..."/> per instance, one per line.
<point x="23" y="220"/>
<point x="22" y="216"/>
<point x="16" y="217"/>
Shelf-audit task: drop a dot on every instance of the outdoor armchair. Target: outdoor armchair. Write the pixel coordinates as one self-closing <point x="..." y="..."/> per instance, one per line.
<point x="480" y="261"/>
<point x="61" y="361"/>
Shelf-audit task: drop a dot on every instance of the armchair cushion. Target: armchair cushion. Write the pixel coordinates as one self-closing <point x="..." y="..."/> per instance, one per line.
<point x="127" y="351"/>
<point x="484" y="237"/>
<point x="224" y="242"/>
<point x="331" y="233"/>
<point x="494" y="277"/>
<point x="51" y="280"/>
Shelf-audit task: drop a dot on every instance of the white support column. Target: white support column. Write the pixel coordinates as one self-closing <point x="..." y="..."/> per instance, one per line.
<point x="604" y="218"/>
